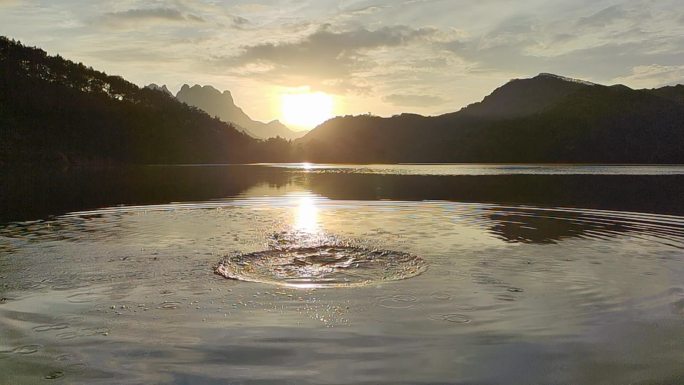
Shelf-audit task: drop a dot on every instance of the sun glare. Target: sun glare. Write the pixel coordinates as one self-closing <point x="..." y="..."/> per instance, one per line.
<point x="306" y="110"/>
<point x="306" y="215"/>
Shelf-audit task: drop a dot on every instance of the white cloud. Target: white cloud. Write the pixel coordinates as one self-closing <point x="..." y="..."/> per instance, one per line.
<point x="650" y="76"/>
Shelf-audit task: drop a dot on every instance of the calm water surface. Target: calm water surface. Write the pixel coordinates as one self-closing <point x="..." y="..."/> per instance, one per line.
<point x="481" y="275"/>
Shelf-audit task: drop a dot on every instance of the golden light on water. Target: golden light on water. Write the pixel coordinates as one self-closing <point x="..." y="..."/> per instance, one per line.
<point x="306" y="216"/>
<point x="306" y="109"/>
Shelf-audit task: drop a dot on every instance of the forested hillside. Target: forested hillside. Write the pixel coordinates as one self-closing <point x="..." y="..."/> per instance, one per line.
<point x="545" y="119"/>
<point x="55" y="110"/>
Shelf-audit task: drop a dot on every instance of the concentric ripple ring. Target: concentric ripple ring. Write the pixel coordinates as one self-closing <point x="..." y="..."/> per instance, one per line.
<point x="322" y="266"/>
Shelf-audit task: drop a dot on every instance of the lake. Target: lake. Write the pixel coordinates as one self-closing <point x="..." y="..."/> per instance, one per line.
<point x="342" y="274"/>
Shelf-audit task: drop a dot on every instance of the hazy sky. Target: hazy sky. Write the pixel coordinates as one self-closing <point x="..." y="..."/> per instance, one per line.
<point x="379" y="56"/>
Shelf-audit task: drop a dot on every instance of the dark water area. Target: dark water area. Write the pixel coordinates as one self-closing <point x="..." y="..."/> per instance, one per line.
<point x="320" y="274"/>
<point x="30" y="194"/>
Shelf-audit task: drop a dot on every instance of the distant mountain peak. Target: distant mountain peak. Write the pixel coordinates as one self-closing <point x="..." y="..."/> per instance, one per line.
<point x="228" y="96"/>
<point x="221" y="104"/>
<point x="206" y="91"/>
<point x="162" y="88"/>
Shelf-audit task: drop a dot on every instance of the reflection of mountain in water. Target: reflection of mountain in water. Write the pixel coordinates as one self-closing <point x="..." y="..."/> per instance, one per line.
<point x="510" y="211"/>
<point x="641" y="193"/>
<point x="36" y="194"/>
<point x="535" y="226"/>
<point x="634" y="193"/>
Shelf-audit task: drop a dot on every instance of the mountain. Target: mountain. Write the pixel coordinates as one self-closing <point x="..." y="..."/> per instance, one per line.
<point x="53" y="110"/>
<point x="221" y="104"/>
<point x="674" y="93"/>
<point x="544" y="119"/>
<point x="162" y="89"/>
<point x="522" y="97"/>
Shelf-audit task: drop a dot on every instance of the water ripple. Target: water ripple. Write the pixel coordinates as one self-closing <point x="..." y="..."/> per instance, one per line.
<point x="322" y="266"/>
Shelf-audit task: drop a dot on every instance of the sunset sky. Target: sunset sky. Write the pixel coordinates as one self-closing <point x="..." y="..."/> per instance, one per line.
<point x="381" y="56"/>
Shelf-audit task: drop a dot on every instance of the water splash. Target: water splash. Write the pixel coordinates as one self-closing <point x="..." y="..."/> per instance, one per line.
<point x="330" y="265"/>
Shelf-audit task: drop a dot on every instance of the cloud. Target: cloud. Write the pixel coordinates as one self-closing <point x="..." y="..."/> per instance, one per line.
<point x="369" y="10"/>
<point x="600" y="60"/>
<point x="597" y="46"/>
<point x="603" y="17"/>
<point x="649" y="76"/>
<point x="404" y="100"/>
<point x="330" y="58"/>
<point x="406" y="50"/>
<point x="239" y="21"/>
<point x="149" y="15"/>
<point x="131" y="54"/>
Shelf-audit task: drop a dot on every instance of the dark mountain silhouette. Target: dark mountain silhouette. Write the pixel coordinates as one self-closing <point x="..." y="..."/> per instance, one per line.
<point x="222" y="105"/>
<point x="54" y="110"/>
<point x="545" y="119"/>
<point x="674" y="93"/>
<point x="522" y="97"/>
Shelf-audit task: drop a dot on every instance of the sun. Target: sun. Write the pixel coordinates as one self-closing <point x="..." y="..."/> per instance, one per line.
<point x="306" y="110"/>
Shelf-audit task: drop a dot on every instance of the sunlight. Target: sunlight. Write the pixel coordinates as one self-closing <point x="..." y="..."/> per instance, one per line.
<point x="306" y="215"/>
<point x="306" y="110"/>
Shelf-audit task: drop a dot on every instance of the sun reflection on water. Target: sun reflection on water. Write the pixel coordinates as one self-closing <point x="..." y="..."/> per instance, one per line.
<point x="306" y="216"/>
